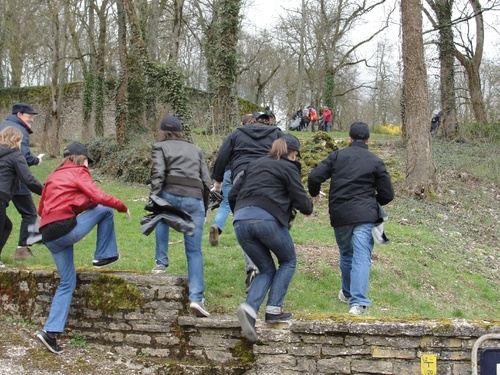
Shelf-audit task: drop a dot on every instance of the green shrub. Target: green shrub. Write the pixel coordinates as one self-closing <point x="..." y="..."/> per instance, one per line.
<point x="481" y="132"/>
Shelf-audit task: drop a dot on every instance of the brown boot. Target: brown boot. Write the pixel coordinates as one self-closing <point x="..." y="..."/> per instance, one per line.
<point x="23" y="252"/>
<point x="214" y="235"/>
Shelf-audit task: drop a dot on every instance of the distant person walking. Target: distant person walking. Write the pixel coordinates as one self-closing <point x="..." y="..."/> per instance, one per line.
<point x="263" y="201"/>
<point x="70" y="207"/>
<point x="359" y="182"/>
<point x="327" y="118"/>
<point x="180" y="176"/>
<point x="22" y="118"/>
<point x="313" y="117"/>
<point x="13" y="169"/>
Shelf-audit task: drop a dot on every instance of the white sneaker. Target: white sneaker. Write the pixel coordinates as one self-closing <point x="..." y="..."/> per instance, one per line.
<point x="159" y="268"/>
<point x="198" y="308"/>
<point x="358" y="310"/>
<point x="2" y="265"/>
<point x="342" y="297"/>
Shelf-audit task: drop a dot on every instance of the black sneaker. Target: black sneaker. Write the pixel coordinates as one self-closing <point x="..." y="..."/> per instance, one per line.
<point x="98" y="263"/>
<point x="51" y="344"/>
<point x="247" y="324"/>
<point x="250" y="278"/>
<point x="276" y="318"/>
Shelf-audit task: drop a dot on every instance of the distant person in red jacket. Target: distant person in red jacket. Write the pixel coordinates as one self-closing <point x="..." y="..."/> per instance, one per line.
<point x="70" y="207"/>
<point x="327" y="115"/>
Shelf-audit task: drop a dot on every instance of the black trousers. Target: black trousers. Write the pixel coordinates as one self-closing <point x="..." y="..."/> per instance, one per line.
<point x="5" y="225"/>
<point x="26" y="207"/>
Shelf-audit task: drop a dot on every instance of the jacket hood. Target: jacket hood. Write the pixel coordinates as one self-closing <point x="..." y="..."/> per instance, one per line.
<point x="5" y="150"/>
<point x="258" y="131"/>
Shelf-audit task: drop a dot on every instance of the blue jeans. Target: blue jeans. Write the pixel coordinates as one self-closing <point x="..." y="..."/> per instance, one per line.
<point x="192" y="244"/>
<point x="224" y="209"/>
<point x="355" y="245"/>
<point x="327" y="126"/>
<point x="259" y="238"/>
<point x="62" y="252"/>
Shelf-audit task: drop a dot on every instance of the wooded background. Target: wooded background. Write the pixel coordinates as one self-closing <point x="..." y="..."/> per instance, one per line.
<point x="347" y="55"/>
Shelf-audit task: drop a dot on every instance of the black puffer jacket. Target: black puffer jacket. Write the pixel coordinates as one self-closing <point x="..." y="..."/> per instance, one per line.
<point x="245" y="144"/>
<point x="13" y="170"/>
<point x="275" y="186"/>
<point x="358" y="181"/>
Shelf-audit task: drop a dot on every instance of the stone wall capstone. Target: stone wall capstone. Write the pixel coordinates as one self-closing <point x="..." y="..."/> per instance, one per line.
<point x="145" y="314"/>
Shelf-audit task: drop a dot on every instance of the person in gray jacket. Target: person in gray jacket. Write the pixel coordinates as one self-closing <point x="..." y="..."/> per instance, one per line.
<point x="180" y="176"/>
<point x="359" y="183"/>
<point x="13" y="170"/>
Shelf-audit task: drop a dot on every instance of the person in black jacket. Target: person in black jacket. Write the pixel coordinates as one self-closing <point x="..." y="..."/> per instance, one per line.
<point x="22" y="118"/>
<point x="245" y="144"/>
<point x="263" y="201"/>
<point x="13" y="170"/>
<point x="359" y="182"/>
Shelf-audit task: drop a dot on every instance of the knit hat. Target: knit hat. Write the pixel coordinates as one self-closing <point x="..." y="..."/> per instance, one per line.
<point x="359" y="130"/>
<point x="171" y="123"/>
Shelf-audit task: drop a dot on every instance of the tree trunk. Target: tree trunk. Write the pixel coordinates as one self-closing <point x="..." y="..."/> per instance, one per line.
<point x="472" y="65"/>
<point x="419" y="166"/>
<point x="448" y="126"/>
<point x="100" y="64"/>
<point x="121" y="91"/>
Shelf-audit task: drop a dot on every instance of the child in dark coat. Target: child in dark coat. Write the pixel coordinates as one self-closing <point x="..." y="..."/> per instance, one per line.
<point x="13" y="169"/>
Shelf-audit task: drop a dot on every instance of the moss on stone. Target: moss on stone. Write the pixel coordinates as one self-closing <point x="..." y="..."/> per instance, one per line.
<point x="111" y="294"/>
<point x="244" y="352"/>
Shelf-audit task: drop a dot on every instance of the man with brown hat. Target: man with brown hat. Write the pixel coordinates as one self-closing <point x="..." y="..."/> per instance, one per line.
<point x="22" y="118"/>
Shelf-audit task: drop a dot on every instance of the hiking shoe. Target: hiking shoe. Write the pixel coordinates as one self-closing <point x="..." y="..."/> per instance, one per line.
<point x="160" y="268"/>
<point x="251" y="275"/>
<point x="342" y="297"/>
<point x="214" y="235"/>
<point x="2" y="265"/>
<point x="276" y="318"/>
<point x="23" y="252"/>
<point x="198" y="308"/>
<point x="98" y="263"/>
<point x="358" y="310"/>
<point x="247" y="324"/>
<point x="51" y="344"/>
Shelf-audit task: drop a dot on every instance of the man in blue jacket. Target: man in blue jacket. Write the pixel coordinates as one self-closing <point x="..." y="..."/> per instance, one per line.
<point x="359" y="182"/>
<point x="22" y="118"/>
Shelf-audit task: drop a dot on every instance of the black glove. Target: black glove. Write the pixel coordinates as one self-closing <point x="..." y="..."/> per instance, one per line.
<point x="215" y="199"/>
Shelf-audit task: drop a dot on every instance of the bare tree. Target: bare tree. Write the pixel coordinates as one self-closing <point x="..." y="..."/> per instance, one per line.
<point x="420" y="169"/>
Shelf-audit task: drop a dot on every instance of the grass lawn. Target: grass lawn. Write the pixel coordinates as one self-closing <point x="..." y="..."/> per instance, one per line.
<point x="443" y="261"/>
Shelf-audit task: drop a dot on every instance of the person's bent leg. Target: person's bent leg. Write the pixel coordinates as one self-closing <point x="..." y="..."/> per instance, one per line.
<point x="103" y="218"/>
<point x="343" y="236"/>
<point x="362" y="242"/>
<point x="248" y="234"/>
<point x="26" y="207"/>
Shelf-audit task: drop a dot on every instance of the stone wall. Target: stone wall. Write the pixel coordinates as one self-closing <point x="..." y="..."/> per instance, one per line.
<point x="144" y="314"/>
